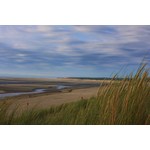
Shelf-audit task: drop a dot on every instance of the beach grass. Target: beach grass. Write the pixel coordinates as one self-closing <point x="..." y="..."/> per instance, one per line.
<point x="123" y="102"/>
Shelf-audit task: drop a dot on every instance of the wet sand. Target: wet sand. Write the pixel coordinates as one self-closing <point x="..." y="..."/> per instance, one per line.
<point x="11" y="85"/>
<point x="54" y="99"/>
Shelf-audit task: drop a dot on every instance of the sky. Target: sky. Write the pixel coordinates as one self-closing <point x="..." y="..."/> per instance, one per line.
<point x="72" y="51"/>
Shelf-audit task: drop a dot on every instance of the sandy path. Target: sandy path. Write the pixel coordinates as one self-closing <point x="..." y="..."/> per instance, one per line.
<point x="46" y="101"/>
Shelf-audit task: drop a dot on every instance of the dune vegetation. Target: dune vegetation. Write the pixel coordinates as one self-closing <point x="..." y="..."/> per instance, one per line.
<point x="123" y="102"/>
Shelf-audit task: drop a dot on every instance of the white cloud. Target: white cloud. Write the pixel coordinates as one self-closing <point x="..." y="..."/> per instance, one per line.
<point x="21" y="55"/>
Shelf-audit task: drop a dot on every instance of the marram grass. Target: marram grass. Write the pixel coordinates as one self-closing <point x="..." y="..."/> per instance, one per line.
<point x="124" y="102"/>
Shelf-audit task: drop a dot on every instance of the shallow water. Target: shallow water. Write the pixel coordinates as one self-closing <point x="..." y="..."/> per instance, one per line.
<point x="3" y="95"/>
<point x="59" y="87"/>
<point x="36" y="91"/>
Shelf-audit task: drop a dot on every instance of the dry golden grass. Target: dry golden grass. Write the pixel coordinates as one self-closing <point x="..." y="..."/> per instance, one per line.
<point x="126" y="102"/>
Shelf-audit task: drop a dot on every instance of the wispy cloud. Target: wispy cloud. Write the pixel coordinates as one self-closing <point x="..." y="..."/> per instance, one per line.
<point x="75" y="49"/>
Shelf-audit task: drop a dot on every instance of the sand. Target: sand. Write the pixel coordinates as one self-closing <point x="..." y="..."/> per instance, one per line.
<point x="54" y="99"/>
<point x="45" y="100"/>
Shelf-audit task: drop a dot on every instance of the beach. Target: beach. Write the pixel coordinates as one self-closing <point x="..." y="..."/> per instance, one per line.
<point x="69" y="90"/>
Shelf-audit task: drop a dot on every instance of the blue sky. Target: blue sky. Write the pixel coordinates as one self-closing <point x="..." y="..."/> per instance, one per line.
<point x="72" y="51"/>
